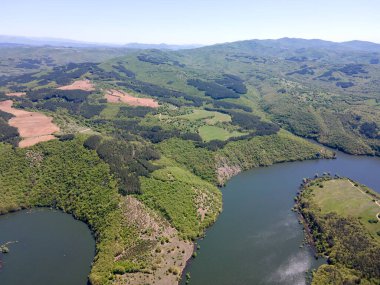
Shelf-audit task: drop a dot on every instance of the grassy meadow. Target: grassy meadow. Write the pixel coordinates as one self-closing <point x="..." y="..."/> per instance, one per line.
<point x="348" y="199"/>
<point x="341" y="221"/>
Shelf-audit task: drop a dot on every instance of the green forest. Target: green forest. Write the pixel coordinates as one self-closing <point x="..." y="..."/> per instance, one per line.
<point x="221" y="110"/>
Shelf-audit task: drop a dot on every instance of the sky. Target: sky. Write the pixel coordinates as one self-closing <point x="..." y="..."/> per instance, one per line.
<point x="191" y="21"/>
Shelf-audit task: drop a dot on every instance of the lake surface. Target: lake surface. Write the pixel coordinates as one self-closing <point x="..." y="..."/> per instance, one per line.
<point x="52" y="248"/>
<point x="256" y="240"/>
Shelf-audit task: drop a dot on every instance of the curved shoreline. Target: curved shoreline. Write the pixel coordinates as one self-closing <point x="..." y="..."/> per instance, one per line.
<point x="51" y="241"/>
<point x="92" y="230"/>
<point x="188" y="263"/>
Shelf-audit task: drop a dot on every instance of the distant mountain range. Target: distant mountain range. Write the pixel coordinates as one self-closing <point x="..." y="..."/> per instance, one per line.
<point x="54" y="42"/>
<point x="279" y="43"/>
<point x="160" y="46"/>
<point x="275" y="45"/>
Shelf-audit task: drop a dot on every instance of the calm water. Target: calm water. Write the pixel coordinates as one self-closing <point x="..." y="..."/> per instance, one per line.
<point x="52" y="249"/>
<point x="256" y="240"/>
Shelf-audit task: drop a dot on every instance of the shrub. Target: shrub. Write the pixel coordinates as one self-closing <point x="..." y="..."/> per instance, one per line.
<point x="66" y="137"/>
<point x="370" y="130"/>
<point x="118" y="269"/>
<point x="92" y="142"/>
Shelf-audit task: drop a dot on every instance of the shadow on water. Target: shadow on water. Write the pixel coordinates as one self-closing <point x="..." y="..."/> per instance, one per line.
<point x="257" y="239"/>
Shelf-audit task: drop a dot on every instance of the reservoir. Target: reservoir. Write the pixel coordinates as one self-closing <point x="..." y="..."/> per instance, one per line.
<point x="257" y="238"/>
<point x="47" y="247"/>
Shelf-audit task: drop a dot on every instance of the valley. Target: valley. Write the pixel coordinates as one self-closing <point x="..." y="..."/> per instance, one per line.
<point x="135" y="143"/>
<point x="257" y="239"/>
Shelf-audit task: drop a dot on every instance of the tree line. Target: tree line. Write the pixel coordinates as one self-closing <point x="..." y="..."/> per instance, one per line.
<point x="127" y="160"/>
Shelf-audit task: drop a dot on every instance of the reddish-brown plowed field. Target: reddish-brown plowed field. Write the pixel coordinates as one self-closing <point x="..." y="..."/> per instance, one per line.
<point x="16" y="94"/>
<point x="116" y="96"/>
<point x="33" y="127"/>
<point x="85" y="85"/>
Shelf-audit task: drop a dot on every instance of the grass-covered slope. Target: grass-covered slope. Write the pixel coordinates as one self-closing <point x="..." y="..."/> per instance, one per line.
<point x="321" y="90"/>
<point x="221" y="111"/>
<point x="189" y="203"/>
<point x="74" y="179"/>
<point x="218" y="166"/>
<point x="71" y="178"/>
<point x="348" y="198"/>
<point x="342" y="218"/>
<point x="199" y="161"/>
<point x="267" y="150"/>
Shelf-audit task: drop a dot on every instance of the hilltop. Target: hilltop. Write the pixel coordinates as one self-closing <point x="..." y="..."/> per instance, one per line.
<point x="152" y="133"/>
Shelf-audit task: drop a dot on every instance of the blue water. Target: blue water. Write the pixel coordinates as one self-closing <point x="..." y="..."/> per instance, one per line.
<point x="256" y="240"/>
<point x="52" y="249"/>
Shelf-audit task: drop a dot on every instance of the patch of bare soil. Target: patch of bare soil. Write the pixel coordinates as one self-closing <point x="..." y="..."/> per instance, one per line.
<point x="16" y="94"/>
<point x="33" y="127"/>
<point x="203" y="202"/>
<point x="225" y="171"/>
<point x="169" y="255"/>
<point x="117" y="96"/>
<point x="84" y="85"/>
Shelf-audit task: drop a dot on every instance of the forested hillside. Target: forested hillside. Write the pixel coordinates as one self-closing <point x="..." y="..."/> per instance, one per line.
<point x="148" y="135"/>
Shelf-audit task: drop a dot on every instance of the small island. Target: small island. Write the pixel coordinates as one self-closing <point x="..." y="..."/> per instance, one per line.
<point x="4" y="247"/>
<point x="341" y="219"/>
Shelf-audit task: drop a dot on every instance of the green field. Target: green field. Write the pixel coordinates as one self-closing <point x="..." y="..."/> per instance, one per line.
<point x="341" y="223"/>
<point x="178" y="194"/>
<point x="209" y="133"/>
<point x="209" y="117"/>
<point x="110" y="112"/>
<point x="172" y="158"/>
<point x="346" y="199"/>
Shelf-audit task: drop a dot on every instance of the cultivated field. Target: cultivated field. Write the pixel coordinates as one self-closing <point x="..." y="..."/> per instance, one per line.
<point x="33" y="127"/>
<point x="84" y="85"/>
<point x="117" y="96"/>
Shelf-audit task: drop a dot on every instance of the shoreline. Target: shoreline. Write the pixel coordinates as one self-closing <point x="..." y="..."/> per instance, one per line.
<point x="28" y="209"/>
<point x="311" y="245"/>
<point x="309" y="240"/>
<point x="329" y="232"/>
<point x="188" y="262"/>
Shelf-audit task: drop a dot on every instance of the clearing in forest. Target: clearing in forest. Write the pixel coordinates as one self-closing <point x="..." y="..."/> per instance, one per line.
<point x="209" y="133"/>
<point x="84" y="85"/>
<point x="210" y="117"/>
<point x="33" y="127"/>
<point x="117" y="96"/>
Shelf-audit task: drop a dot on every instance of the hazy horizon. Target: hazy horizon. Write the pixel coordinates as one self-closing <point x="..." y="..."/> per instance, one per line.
<point x="186" y="23"/>
<point x="62" y="40"/>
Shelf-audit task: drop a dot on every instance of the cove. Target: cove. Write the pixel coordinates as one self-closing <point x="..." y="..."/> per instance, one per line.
<point x="52" y="248"/>
<point x="256" y="239"/>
